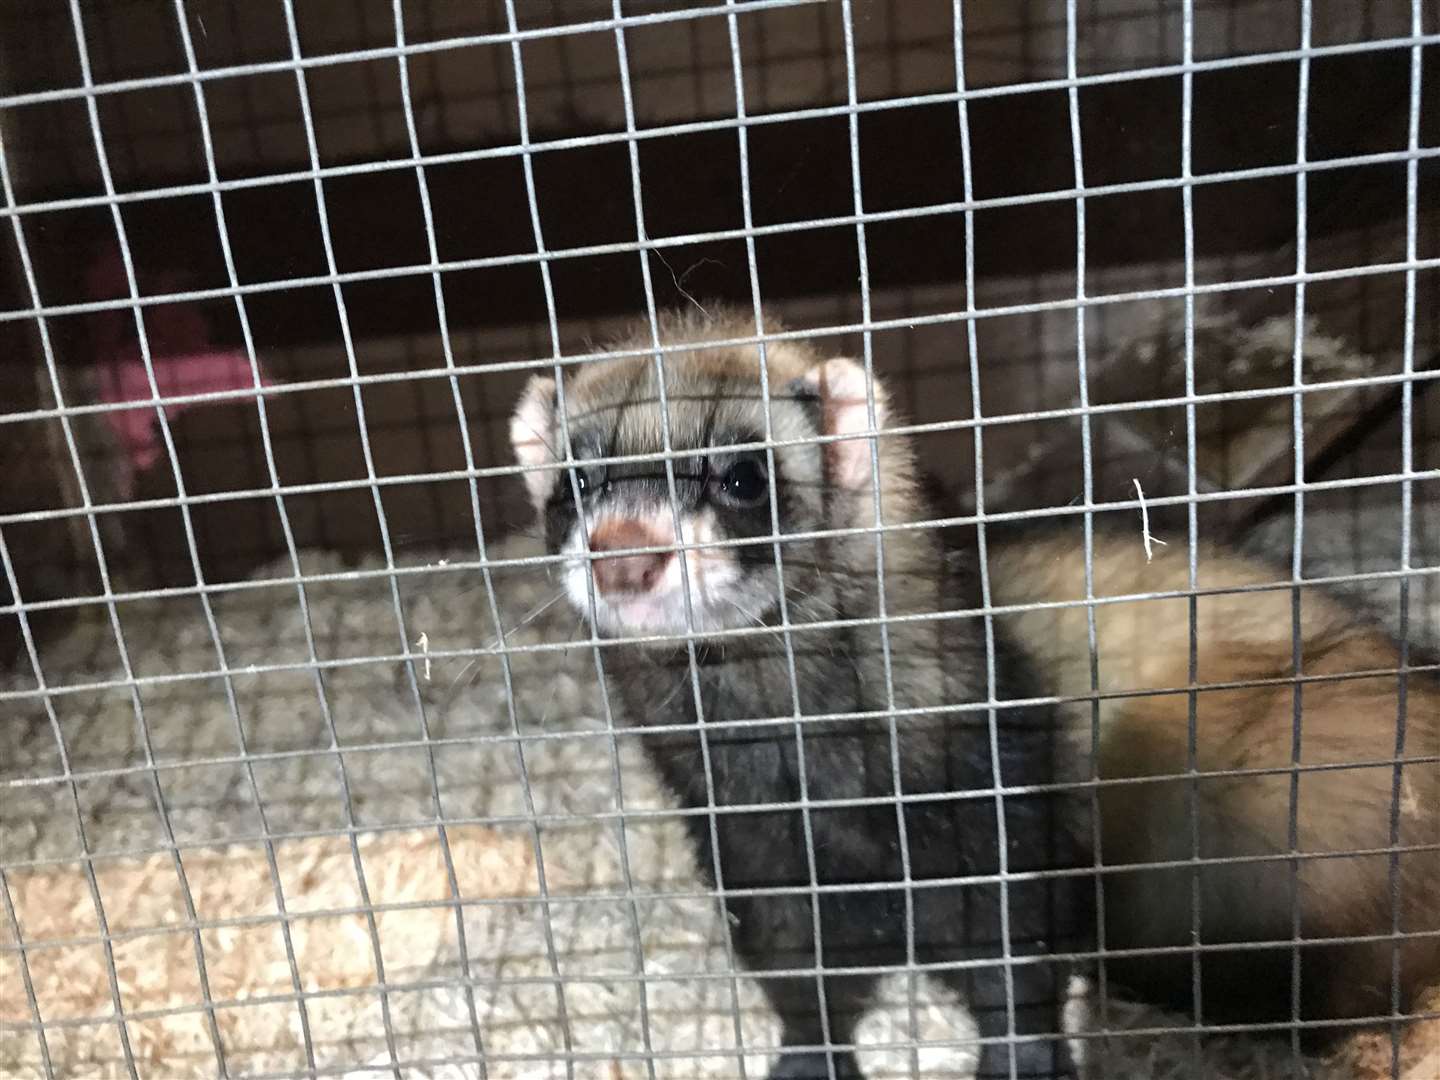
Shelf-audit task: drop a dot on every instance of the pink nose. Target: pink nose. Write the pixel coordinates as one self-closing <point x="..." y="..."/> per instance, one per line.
<point x="631" y="574"/>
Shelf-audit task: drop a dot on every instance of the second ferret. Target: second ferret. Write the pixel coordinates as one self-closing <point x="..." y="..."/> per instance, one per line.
<point x="1313" y="819"/>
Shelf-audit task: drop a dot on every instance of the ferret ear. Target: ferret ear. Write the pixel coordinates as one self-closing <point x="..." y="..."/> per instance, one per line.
<point x="532" y="434"/>
<point x="844" y="410"/>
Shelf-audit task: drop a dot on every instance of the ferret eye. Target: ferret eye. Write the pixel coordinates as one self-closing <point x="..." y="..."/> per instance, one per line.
<point x="589" y="480"/>
<point x="744" y="483"/>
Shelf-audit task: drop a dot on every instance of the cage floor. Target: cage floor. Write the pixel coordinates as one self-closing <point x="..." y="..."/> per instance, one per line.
<point x="626" y="961"/>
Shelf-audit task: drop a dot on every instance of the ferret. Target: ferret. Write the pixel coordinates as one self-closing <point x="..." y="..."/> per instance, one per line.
<point x="813" y="898"/>
<point x="1144" y="645"/>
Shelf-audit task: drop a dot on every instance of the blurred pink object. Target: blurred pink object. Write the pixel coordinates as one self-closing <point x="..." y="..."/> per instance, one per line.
<point x="123" y="378"/>
<point x="182" y="355"/>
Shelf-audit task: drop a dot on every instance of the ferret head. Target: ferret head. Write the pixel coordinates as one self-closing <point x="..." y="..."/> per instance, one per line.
<point x="715" y="405"/>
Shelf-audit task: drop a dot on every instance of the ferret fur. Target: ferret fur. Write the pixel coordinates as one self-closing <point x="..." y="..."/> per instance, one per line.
<point x="714" y="399"/>
<point x="1242" y="636"/>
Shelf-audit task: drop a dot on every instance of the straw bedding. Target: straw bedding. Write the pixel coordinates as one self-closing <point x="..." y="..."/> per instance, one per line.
<point x="622" y="900"/>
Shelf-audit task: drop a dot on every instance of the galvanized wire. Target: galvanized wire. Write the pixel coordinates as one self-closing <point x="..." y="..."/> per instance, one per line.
<point x="788" y="717"/>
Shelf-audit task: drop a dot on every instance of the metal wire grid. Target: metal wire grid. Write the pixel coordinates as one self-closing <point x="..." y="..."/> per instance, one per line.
<point x="39" y="315"/>
<point x="452" y="95"/>
<point x="901" y="48"/>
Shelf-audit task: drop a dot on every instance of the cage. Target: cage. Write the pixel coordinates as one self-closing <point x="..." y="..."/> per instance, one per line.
<point x="308" y="768"/>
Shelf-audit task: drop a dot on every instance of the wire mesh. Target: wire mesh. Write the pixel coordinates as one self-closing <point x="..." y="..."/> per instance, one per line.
<point x="309" y="768"/>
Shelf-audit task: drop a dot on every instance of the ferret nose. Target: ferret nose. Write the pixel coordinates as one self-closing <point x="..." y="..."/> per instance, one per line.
<point x="627" y="573"/>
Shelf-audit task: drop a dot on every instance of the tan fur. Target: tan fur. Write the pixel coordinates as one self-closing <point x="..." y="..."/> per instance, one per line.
<point x="1144" y="645"/>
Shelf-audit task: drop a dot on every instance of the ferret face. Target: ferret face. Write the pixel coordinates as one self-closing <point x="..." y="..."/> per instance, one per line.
<point x="724" y="492"/>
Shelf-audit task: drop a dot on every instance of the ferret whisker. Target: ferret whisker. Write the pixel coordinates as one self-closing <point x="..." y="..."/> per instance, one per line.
<point x="495" y="643"/>
<point x="529" y="617"/>
<point x="450" y="690"/>
<point x="746" y="612"/>
<point x="555" y="683"/>
<point x="812" y="602"/>
<point x="533" y="614"/>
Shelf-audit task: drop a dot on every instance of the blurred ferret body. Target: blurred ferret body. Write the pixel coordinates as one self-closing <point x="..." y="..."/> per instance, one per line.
<point x="754" y="726"/>
<point x="1144" y="645"/>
